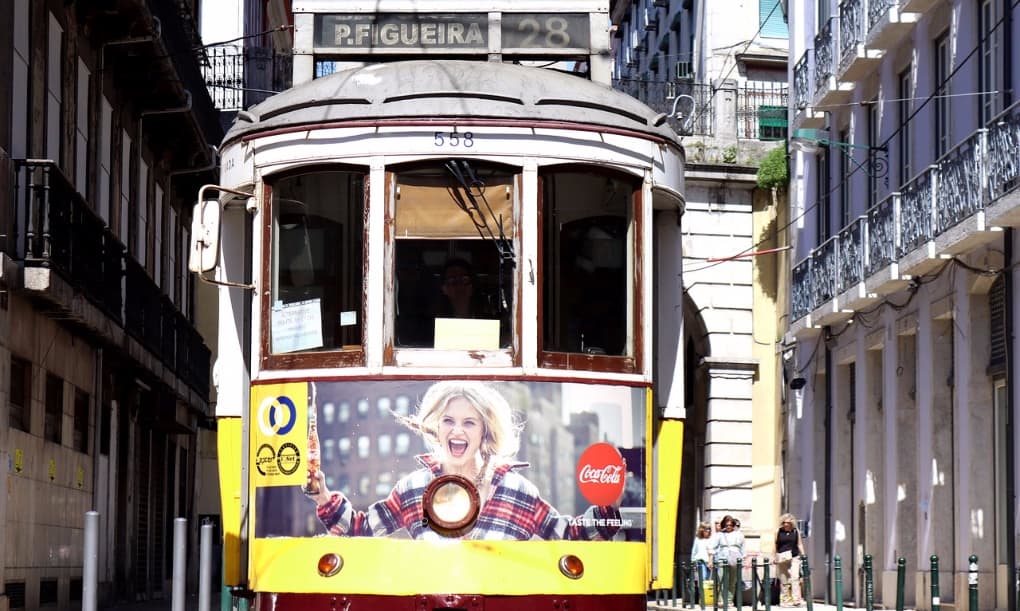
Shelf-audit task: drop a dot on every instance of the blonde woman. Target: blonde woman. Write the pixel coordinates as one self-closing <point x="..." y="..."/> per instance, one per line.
<point x="789" y="549"/>
<point x="470" y="430"/>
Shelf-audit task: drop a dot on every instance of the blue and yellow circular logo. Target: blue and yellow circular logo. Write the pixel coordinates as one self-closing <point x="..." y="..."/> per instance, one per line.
<point x="276" y="416"/>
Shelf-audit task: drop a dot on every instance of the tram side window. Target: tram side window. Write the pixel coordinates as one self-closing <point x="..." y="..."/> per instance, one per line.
<point x="588" y="262"/>
<point x="317" y="262"/>
<point x="454" y="256"/>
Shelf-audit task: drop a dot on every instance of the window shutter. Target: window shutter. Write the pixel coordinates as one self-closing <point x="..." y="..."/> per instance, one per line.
<point x="997" y="324"/>
<point x="770" y="17"/>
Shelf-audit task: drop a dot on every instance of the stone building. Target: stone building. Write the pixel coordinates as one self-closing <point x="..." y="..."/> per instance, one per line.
<point x="718" y="68"/>
<point x="899" y="430"/>
<point x="105" y="132"/>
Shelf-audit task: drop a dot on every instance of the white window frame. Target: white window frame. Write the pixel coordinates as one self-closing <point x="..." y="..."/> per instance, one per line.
<point x="157" y="238"/>
<point x="988" y="62"/>
<point x="105" y="164"/>
<point x="125" y="178"/>
<point x="21" y="69"/>
<point x="54" y="87"/>
<point x="942" y="108"/>
<point x="904" y="88"/>
<point x="82" y="151"/>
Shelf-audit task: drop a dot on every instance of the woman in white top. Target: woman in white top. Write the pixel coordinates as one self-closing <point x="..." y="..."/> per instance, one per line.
<point x="729" y="548"/>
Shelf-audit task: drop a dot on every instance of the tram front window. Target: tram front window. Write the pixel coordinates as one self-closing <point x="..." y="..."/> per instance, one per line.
<point x="454" y="256"/>
<point x="588" y="262"/>
<point x="317" y="262"/>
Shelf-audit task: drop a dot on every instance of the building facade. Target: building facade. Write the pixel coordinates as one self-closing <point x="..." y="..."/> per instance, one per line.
<point x="899" y="435"/>
<point x="718" y="68"/>
<point x="105" y="130"/>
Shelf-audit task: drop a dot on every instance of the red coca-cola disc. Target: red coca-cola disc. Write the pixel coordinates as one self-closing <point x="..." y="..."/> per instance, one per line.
<point x="600" y="474"/>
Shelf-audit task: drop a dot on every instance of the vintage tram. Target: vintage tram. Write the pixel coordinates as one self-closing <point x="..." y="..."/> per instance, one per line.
<point x="449" y="370"/>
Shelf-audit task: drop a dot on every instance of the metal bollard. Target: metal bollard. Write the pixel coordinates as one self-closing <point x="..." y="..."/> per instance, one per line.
<point x="837" y="571"/>
<point x="972" y="582"/>
<point x="767" y="588"/>
<point x="180" y="562"/>
<point x="869" y="584"/>
<point x="901" y="578"/>
<point x="755" y="583"/>
<point x="90" y="568"/>
<point x="677" y="575"/>
<point x="205" y="566"/>
<point x="805" y="577"/>
<point x="738" y="585"/>
<point x="725" y="591"/>
<point x="935" y="602"/>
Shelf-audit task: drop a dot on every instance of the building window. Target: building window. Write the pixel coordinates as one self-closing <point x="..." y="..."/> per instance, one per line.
<point x="105" y="163"/>
<point x="385" y="484"/>
<point x="904" y="91"/>
<point x="344" y="447"/>
<point x="48" y="591"/>
<point x="988" y="66"/>
<point x="874" y="126"/>
<point x="21" y="394"/>
<point x="943" y="129"/>
<point x="54" y="89"/>
<point x="22" y="60"/>
<point x="54" y="408"/>
<point x="364" y="446"/>
<point x="822" y="199"/>
<point x="81" y="421"/>
<point x="82" y="152"/>
<point x="770" y="19"/>
<point x="402" y="444"/>
<point x="385" y="445"/>
<point x="344" y="412"/>
<point x="845" y="172"/>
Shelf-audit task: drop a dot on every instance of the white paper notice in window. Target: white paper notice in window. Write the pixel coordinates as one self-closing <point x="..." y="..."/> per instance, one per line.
<point x="297" y="326"/>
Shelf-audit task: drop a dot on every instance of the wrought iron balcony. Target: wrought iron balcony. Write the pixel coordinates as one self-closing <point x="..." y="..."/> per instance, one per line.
<point x="882" y="234"/>
<point x="825" y="61"/>
<point x="65" y="248"/>
<point x="802" y="82"/>
<point x="950" y="207"/>
<point x="856" y="62"/>
<point x="887" y="24"/>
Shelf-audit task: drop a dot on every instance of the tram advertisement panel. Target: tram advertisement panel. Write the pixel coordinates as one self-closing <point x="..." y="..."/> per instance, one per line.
<point x="434" y="460"/>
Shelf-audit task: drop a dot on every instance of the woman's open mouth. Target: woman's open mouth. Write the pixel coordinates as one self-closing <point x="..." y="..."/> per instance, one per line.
<point x="457" y="447"/>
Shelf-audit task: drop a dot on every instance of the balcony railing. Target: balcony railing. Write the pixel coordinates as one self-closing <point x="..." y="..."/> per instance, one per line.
<point x="824" y="60"/>
<point x="973" y="176"/>
<point x="1003" y="162"/>
<point x="762" y="109"/>
<point x="53" y="228"/>
<point x="851" y="30"/>
<point x="238" y="78"/>
<point x="852" y="253"/>
<point x="960" y="182"/>
<point x="877" y="9"/>
<point x="882" y="234"/>
<point x="802" y="82"/>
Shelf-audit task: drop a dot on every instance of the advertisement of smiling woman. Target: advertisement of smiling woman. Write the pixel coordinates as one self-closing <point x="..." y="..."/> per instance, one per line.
<point x="449" y="459"/>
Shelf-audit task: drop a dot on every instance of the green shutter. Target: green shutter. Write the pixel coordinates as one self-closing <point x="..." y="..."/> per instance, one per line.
<point x="770" y="17"/>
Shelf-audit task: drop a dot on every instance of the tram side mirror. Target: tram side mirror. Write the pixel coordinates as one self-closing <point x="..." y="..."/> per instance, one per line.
<point x="205" y="236"/>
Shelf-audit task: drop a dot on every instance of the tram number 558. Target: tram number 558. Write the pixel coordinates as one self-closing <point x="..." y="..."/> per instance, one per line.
<point x="454" y="138"/>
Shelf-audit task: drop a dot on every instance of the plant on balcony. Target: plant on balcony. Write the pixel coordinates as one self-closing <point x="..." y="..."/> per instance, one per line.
<point x="772" y="172"/>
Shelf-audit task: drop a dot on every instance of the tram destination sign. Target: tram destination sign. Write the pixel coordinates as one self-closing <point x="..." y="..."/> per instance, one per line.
<point x="450" y="32"/>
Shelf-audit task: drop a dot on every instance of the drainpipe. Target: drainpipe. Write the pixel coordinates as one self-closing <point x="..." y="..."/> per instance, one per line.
<point x="1011" y="386"/>
<point x="828" y="465"/>
<point x="157" y="33"/>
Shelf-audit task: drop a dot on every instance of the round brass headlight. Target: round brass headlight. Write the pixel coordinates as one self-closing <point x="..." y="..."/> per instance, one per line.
<point x="451" y="505"/>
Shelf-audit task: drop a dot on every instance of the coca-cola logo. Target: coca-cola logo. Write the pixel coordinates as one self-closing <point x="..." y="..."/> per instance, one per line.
<point x="600" y="474"/>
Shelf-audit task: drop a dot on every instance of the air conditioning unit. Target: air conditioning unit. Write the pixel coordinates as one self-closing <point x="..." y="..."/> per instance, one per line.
<point x="684" y="71"/>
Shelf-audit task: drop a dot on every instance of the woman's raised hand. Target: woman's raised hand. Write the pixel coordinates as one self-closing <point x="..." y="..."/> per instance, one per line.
<point x="317" y="483"/>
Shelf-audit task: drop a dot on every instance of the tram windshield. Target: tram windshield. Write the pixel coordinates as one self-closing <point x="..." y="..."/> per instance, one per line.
<point x="454" y="255"/>
<point x="317" y="262"/>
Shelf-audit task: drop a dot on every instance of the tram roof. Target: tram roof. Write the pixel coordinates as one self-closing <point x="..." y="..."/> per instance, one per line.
<point x="451" y="89"/>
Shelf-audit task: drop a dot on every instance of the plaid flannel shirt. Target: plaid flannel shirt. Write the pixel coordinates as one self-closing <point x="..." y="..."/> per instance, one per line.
<point x="515" y="511"/>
